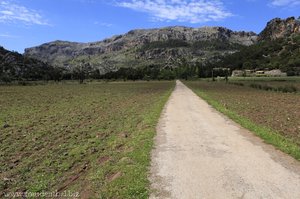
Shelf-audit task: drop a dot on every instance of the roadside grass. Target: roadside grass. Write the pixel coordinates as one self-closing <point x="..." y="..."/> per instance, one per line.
<point x="93" y="139"/>
<point x="285" y="143"/>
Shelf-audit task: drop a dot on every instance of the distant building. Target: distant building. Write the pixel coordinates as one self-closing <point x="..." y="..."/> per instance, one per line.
<point x="237" y="73"/>
<point x="275" y="73"/>
<point x="249" y="73"/>
<point x="258" y="73"/>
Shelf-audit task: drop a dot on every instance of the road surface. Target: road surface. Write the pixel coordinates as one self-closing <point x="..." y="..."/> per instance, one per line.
<point x="199" y="153"/>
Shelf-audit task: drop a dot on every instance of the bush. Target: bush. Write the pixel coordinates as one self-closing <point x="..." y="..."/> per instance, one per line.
<point x="23" y="83"/>
<point x="284" y="89"/>
<point x="5" y="78"/>
<point x="268" y="88"/>
<point x="257" y="86"/>
<point x="237" y="83"/>
<point x="288" y="89"/>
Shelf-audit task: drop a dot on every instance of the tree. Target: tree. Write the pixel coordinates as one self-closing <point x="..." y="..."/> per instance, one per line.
<point x="82" y="70"/>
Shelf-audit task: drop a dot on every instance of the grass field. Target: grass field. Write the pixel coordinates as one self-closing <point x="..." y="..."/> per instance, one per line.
<point x="282" y="84"/>
<point x="274" y="116"/>
<point x="93" y="139"/>
<point x="267" y="79"/>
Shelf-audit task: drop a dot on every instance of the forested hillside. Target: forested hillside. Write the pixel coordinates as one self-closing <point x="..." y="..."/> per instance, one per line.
<point x="282" y="53"/>
<point x="15" y="66"/>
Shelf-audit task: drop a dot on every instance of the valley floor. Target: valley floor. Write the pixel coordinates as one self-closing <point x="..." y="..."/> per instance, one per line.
<point x="93" y="140"/>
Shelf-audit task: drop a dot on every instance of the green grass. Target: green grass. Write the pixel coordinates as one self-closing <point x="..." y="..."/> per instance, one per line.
<point x="93" y="139"/>
<point x="277" y="84"/>
<point x="266" y="79"/>
<point x="270" y="136"/>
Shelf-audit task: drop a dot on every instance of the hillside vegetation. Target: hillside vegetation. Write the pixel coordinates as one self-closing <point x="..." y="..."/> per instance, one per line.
<point x="282" y="53"/>
<point x="14" y="66"/>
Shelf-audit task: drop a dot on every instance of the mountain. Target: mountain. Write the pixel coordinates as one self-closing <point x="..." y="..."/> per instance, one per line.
<point x="145" y="47"/>
<point x="278" y="47"/>
<point x="280" y="28"/>
<point x="14" y="66"/>
<point x="161" y="53"/>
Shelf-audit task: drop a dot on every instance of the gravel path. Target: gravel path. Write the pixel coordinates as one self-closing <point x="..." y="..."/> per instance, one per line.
<point x="199" y="153"/>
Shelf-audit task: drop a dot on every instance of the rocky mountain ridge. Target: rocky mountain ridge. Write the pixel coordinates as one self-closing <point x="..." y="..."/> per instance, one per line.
<point x="159" y="47"/>
<point x="144" y="47"/>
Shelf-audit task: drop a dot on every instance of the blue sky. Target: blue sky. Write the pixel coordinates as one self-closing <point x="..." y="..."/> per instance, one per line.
<point x="27" y="23"/>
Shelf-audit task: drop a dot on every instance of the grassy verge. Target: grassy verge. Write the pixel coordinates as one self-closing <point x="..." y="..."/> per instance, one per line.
<point x="270" y="136"/>
<point x="92" y="139"/>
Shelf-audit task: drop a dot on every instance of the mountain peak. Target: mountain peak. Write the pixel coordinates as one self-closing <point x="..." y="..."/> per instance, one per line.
<point x="280" y="28"/>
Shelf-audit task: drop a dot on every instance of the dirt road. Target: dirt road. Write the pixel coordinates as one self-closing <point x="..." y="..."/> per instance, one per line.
<point x="199" y="153"/>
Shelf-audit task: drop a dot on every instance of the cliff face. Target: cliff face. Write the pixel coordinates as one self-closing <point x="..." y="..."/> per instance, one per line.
<point x="144" y="47"/>
<point x="280" y="28"/>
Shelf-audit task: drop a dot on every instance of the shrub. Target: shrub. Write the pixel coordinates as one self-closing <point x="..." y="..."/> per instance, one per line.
<point x="284" y="89"/>
<point x="257" y="86"/>
<point x="237" y="83"/>
<point x="268" y="88"/>
<point x="288" y="89"/>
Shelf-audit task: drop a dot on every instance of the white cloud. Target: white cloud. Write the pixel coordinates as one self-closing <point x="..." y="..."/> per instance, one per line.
<point x="13" y="13"/>
<point x="192" y="11"/>
<point x="285" y="2"/>
<point x="5" y="35"/>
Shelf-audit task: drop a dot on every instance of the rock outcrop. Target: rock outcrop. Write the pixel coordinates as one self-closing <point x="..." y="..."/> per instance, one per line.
<point x="280" y="28"/>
